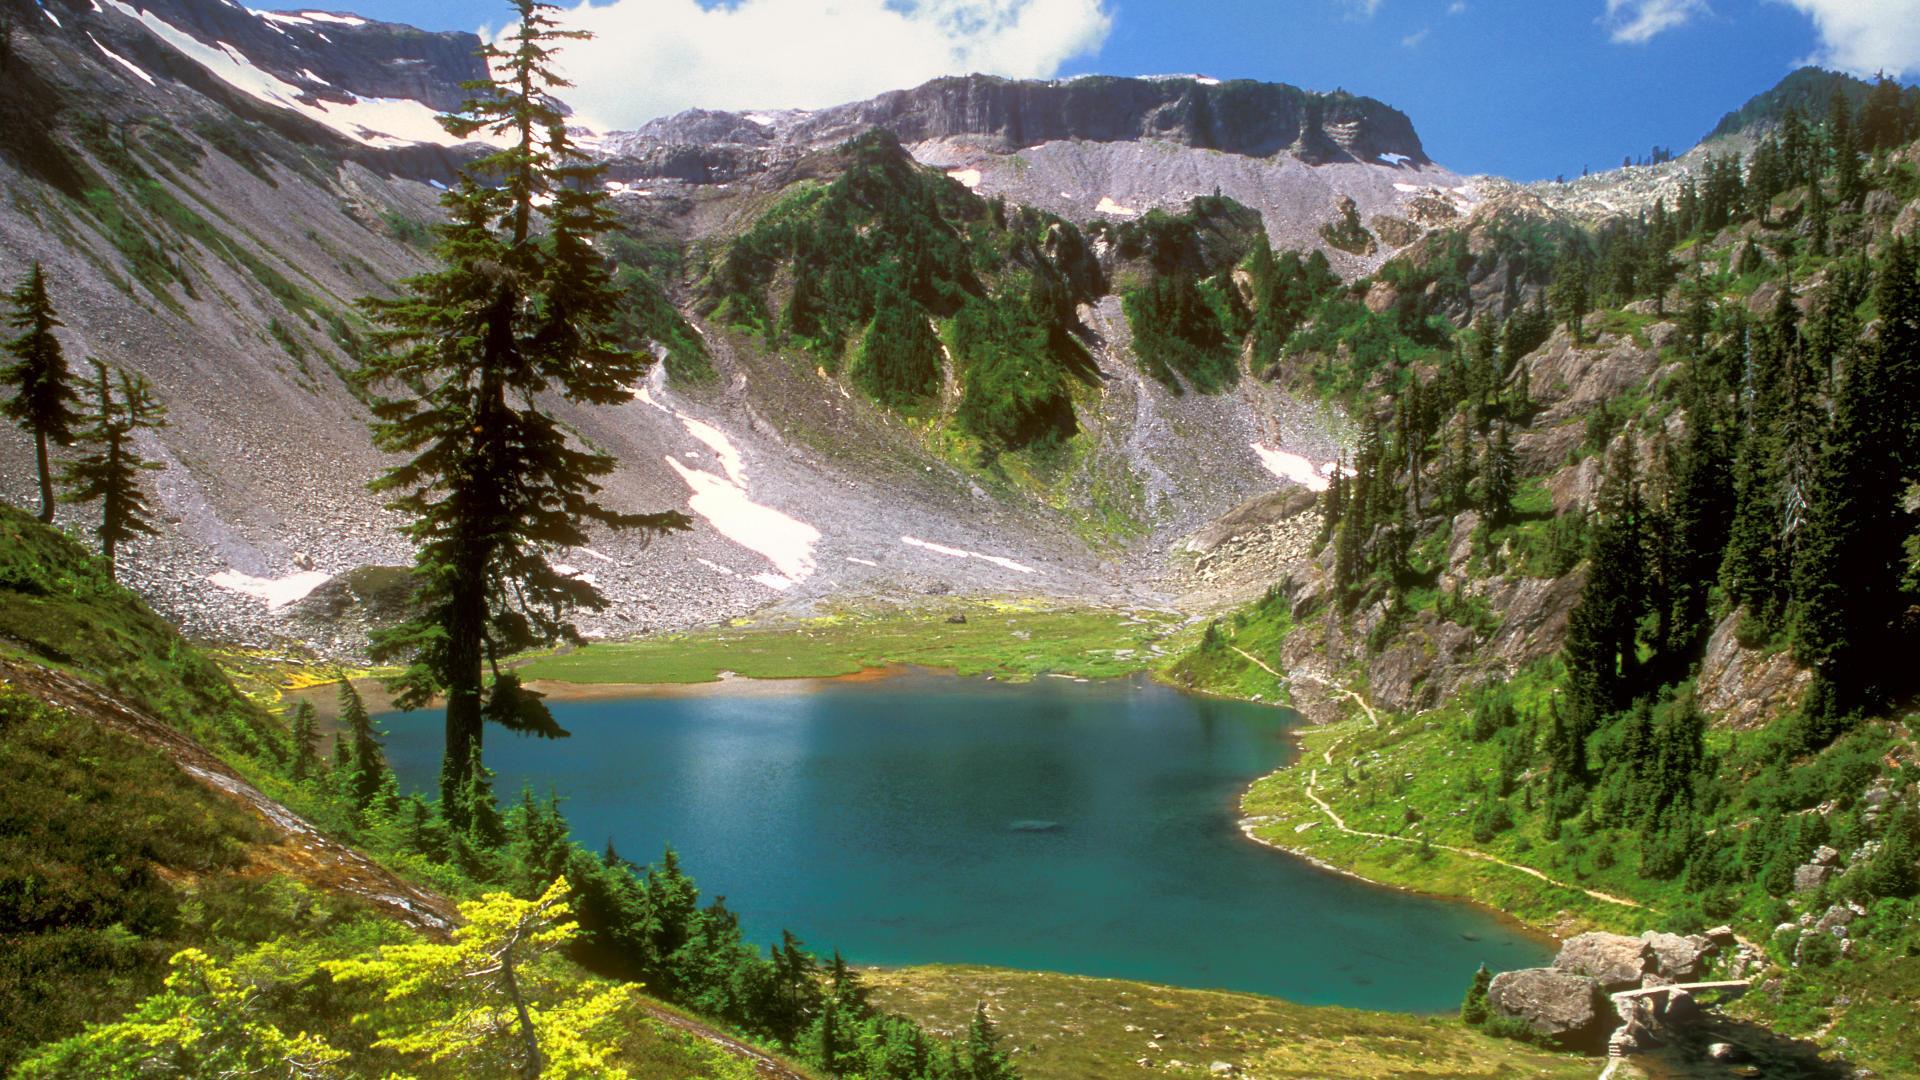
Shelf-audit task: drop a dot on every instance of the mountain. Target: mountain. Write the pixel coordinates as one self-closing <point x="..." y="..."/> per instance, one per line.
<point x="1564" y="509"/>
<point x="212" y="188"/>
<point x="1809" y="91"/>
<point x="1098" y="147"/>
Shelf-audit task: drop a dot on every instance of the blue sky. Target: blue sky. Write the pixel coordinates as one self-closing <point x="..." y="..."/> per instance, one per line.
<point x="1522" y="88"/>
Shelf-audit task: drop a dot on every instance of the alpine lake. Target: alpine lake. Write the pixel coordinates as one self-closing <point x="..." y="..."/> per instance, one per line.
<point x="1053" y="825"/>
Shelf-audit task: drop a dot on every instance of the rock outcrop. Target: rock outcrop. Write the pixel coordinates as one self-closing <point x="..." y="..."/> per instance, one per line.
<point x="1560" y="1005"/>
<point x="1246" y="118"/>
<point x="1614" y="961"/>
<point x="1678" y="959"/>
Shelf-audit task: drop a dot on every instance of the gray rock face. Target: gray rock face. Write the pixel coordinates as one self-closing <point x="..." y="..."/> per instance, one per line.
<point x="1566" y="1007"/>
<point x="1678" y="959"/>
<point x="1615" y="961"/>
<point x="1252" y="119"/>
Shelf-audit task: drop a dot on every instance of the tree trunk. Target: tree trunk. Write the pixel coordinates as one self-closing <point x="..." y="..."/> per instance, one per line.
<point x="535" y="1064"/>
<point x="46" y="477"/>
<point x="110" y="506"/>
<point x="464" y="725"/>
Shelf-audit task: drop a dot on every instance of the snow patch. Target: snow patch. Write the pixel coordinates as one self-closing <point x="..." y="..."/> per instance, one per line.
<point x="1395" y="159"/>
<point x="962" y="553"/>
<point x="1407" y="189"/>
<point x="121" y="60"/>
<point x="1108" y="206"/>
<point x="725" y="503"/>
<point x="339" y="20"/>
<point x="784" y="541"/>
<point x="721" y="446"/>
<point x="862" y="562"/>
<point x="56" y="19"/>
<point x="380" y="122"/>
<point x="1291" y="466"/>
<point x="277" y="592"/>
<point x="968" y="177"/>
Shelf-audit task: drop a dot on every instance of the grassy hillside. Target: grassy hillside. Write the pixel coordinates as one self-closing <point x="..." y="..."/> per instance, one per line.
<point x="1627" y="601"/>
<point x="1069" y="1027"/>
<point x="59" y="607"/>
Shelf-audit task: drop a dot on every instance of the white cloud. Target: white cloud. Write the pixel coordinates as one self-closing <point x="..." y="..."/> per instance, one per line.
<point x="1362" y="9"/>
<point x="1458" y="7"/>
<point x="1866" y="36"/>
<point x="1636" y="22"/>
<point x="652" y="58"/>
<point x="1413" y="40"/>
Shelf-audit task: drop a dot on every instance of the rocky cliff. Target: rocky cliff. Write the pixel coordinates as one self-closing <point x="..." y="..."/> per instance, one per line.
<point x="1244" y="118"/>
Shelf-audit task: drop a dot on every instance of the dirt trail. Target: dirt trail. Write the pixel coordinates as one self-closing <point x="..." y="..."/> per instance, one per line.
<point x="302" y="851"/>
<point x="1313" y="776"/>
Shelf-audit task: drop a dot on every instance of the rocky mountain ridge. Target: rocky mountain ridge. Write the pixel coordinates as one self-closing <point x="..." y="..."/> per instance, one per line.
<point x="199" y="181"/>
<point x="1243" y="117"/>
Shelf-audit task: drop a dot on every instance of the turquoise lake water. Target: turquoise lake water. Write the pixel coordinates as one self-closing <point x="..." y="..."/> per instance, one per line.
<point x="1055" y="825"/>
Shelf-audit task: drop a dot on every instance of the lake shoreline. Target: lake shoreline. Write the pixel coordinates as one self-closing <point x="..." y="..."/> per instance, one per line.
<point x="728" y="683"/>
<point x="985" y="699"/>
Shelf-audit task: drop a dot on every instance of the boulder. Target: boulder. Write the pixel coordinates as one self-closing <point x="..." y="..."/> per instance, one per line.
<point x="1834" y="921"/>
<point x="1809" y="877"/>
<point x="1681" y="1010"/>
<point x="1615" y="961"/>
<point x="1678" y="959"/>
<point x="1565" y="1007"/>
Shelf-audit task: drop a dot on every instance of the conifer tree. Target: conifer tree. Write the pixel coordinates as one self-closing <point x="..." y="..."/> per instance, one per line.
<point x="518" y="311"/>
<point x="1499" y="478"/>
<point x="1849" y="606"/>
<point x="1845" y="148"/>
<point x="1601" y="650"/>
<point x="984" y="1058"/>
<point x="367" y="765"/>
<point x="306" y="740"/>
<point x="484" y="1005"/>
<point x="43" y="400"/>
<point x="1473" y="1010"/>
<point x="1883" y="119"/>
<point x="1571" y="295"/>
<point x="109" y="472"/>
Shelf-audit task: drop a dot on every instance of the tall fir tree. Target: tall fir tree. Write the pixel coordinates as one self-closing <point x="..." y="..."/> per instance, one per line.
<point x="43" y="402"/>
<point x="1850" y="618"/>
<point x="1571" y="294"/>
<point x="1884" y="118"/>
<point x="1602" y="643"/>
<point x="302" y="725"/>
<point x="366" y="770"/>
<point x="491" y="488"/>
<point x="109" y="472"/>
<point x="1499" y="477"/>
<point x="1844" y="145"/>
